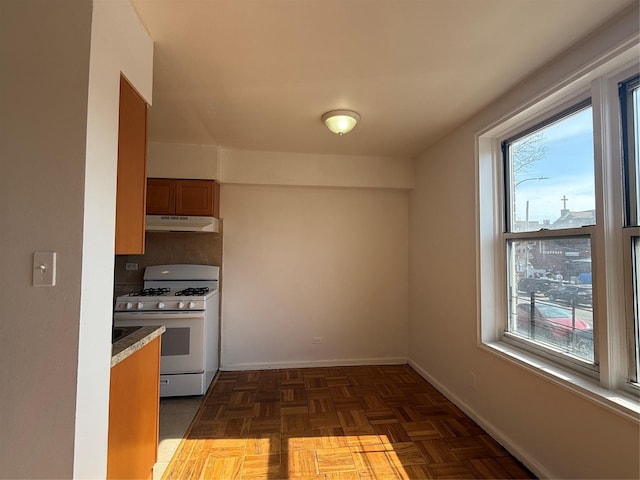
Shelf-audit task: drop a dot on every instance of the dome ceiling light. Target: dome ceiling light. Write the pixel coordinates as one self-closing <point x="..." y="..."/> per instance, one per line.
<point x="340" y="121"/>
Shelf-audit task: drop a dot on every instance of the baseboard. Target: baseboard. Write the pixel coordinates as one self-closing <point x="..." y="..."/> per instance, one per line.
<point x="497" y="434"/>
<point x="345" y="362"/>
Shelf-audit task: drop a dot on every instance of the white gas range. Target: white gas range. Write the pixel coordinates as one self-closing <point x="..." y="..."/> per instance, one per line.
<point x="185" y="299"/>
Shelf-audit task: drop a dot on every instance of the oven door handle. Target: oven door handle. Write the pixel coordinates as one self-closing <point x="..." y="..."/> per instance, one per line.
<point x="166" y="315"/>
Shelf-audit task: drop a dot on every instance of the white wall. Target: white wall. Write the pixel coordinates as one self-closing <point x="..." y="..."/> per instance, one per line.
<point x="314" y="246"/>
<point x="42" y="152"/>
<point x="555" y="432"/>
<point x="179" y="160"/>
<point x="119" y="44"/>
<point x="278" y="168"/>
<point x="247" y="167"/>
<point x="58" y="148"/>
<point x="313" y="262"/>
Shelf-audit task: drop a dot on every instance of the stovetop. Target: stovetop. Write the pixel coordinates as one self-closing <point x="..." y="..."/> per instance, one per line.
<point x="161" y="292"/>
<point x="172" y="288"/>
<point x="151" y="292"/>
<point x="152" y="299"/>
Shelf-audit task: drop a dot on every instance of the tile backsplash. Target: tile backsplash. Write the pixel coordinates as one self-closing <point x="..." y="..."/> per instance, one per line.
<point x="167" y="248"/>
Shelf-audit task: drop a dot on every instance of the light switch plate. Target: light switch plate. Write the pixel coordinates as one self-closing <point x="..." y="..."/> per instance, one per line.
<point x="44" y="269"/>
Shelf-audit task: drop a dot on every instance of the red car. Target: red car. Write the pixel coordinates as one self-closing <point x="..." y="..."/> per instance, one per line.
<point x="551" y="322"/>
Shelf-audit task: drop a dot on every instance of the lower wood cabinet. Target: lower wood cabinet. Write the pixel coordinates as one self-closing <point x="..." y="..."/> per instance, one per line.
<point x="133" y="414"/>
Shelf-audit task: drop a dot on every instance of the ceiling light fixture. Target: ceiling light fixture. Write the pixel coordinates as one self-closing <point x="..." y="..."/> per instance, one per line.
<point x="340" y="121"/>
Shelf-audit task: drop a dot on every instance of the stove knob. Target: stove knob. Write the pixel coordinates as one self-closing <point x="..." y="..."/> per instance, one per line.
<point x="192" y="304"/>
<point x="128" y="306"/>
<point x="180" y="304"/>
<point x="139" y="305"/>
<point x="160" y="305"/>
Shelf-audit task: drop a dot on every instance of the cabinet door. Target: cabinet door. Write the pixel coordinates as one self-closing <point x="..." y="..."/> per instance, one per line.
<point x="132" y="171"/>
<point x="134" y="395"/>
<point x="216" y="199"/>
<point x="195" y="197"/>
<point x="161" y="196"/>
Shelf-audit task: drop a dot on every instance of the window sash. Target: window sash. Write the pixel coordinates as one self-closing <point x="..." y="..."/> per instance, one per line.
<point x="540" y="348"/>
<point x="587" y="230"/>
<point x="508" y="174"/>
<point x="631" y="236"/>
<point x="509" y="235"/>
<point x="629" y="153"/>
<point x="631" y="231"/>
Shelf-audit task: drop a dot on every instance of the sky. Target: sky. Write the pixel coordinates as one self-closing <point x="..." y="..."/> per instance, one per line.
<point x="569" y="167"/>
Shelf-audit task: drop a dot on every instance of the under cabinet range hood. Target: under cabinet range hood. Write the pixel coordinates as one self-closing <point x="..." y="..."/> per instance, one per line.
<point x="181" y="223"/>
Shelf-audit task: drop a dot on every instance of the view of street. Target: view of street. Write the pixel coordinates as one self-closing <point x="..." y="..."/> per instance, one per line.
<point x="582" y="312"/>
<point x="563" y="325"/>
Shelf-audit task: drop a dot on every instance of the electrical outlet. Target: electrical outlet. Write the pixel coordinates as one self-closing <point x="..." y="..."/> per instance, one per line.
<point x="131" y="266"/>
<point x="474" y="380"/>
<point x="317" y="340"/>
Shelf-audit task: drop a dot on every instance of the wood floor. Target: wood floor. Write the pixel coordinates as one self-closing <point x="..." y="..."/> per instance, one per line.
<point x="382" y="422"/>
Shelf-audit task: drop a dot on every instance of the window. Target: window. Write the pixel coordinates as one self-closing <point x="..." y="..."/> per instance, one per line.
<point x="550" y="212"/>
<point x="634" y="311"/>
<point x="630" y="118"/>
<point x="559" y="234"/>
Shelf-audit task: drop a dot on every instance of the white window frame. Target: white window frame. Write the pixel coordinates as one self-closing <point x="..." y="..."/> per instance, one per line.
<point x="563" y="107"/>
<point x="609" y="383"/>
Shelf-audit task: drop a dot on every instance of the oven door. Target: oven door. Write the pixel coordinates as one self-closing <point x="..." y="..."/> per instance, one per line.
<point x="182" y="345"/>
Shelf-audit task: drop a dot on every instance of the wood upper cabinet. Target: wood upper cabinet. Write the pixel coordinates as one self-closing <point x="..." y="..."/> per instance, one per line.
<point x="161" y="196"/>
<point x="132" y="171"/>
<point x="166" y="196"/>
<point x="134" y="396"/>
<point x="197" y="197"/>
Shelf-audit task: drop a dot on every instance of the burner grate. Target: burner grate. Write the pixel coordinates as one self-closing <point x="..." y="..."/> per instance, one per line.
<point x="190" y="292"/>
<point x="150" y="292"/>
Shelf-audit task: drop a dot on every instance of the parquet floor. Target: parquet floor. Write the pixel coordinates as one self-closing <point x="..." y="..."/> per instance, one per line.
<point x="369" y="422"/>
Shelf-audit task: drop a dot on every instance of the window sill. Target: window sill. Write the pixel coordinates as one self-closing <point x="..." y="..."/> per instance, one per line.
<point x="622" y="403"/>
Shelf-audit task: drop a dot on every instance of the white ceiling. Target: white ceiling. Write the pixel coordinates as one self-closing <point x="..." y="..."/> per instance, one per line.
<point x="258" y="74"/>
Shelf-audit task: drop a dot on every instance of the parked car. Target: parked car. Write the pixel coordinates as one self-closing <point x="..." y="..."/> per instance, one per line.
<point x="535" y="285"/>
<point x="554" y="324"/>
<point x="571" y="294"/>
